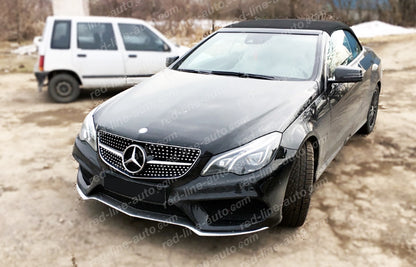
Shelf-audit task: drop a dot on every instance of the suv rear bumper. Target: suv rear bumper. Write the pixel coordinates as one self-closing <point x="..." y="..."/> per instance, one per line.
<point x="222" y="206"/>
<point x="41" y="77"/>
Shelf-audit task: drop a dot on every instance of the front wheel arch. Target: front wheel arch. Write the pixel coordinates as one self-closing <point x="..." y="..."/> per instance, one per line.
<point x="297" y="141"/>
<point x="315" y="145"/>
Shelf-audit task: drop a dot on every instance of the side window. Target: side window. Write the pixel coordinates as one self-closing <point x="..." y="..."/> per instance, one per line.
<point x="61" y="34"/>
<point x="354" y="44"/>
<point x="339" y="51"/>
<point x="96" y="36"/>
<point x="139" y="38"/>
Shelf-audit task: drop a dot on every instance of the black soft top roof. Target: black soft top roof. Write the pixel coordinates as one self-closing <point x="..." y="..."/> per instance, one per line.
<point x="296" y="24"/>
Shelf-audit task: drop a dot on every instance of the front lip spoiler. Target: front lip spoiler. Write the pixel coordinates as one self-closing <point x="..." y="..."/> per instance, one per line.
<point x="190" y="227"/>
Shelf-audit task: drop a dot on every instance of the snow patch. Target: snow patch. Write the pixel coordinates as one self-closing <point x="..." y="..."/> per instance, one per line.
<point x="377" y="28"/>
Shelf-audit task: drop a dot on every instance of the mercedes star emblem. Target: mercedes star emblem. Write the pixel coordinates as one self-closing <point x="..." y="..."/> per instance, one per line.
<point x="134" y="158"/>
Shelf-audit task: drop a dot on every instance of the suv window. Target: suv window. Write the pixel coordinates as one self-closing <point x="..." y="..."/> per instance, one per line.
<point x="354" y="44"/>
<point x="61" y="34"/>
<point x="339" y="51"/>
<point x="138" y="37"/>
<point x="96" y="36"/>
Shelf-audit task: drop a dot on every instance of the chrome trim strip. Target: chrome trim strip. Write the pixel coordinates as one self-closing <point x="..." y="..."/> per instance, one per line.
<point x="190" y="227"/>
<point x="161" y="162"/>
<point x="112" y="150"/>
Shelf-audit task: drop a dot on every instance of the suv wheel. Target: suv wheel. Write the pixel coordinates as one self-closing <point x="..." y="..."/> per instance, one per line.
<point x="63" y="88"/>
<point x="299" y="188"/>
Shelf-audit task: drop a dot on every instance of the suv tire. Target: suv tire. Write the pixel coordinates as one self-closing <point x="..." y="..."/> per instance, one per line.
<point x="63" y="88"/>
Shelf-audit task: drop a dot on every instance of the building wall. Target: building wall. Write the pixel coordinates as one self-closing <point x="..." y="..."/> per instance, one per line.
<point x="70" y="7"/>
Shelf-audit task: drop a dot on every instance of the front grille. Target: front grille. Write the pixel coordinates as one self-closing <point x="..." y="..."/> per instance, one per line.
<point x="162" y="161"/>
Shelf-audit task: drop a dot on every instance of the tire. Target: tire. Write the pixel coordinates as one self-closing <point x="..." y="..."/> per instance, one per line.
<point x="63" y="88"/>
<point x="369" y="125"/>
<point x="299" y="188"/>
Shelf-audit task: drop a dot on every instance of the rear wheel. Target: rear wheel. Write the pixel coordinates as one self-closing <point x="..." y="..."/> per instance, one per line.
<point x="368" y="127"/>
<point x="63" y="88"/>
<point x="299" y="188"/>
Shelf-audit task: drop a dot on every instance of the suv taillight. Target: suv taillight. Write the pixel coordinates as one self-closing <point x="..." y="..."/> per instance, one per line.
<point x="41" y="62"/>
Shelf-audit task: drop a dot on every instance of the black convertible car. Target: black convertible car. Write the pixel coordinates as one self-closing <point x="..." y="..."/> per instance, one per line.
<point x="231" y="138"/>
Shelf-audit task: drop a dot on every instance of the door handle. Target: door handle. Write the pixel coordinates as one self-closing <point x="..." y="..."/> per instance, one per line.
<point x="132" y="56"/>
<point x="81" y="55"/>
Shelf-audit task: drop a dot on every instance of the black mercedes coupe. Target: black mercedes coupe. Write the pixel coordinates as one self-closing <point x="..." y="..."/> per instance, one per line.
<point x="232" y="136"/>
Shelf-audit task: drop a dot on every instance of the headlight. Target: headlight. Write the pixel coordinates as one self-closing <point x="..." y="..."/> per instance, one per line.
<point x="87" y="132"/>
<point x="245" y="159"/>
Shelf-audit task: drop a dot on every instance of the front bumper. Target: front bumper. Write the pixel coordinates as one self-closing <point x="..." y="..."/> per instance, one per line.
<point x="219" y="205"/>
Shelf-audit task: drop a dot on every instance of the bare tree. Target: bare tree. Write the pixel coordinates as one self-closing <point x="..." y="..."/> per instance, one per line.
<point x="408" y="11"/>
<point x="23" y="19"/>
<point x="293" y="7"/>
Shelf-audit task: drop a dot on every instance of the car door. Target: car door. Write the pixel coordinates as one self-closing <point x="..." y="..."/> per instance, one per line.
<point x="97" y="55"/>
<point x="364" y="92"/>
<point x="145" y="52"/>
<point x="342" y="96"/>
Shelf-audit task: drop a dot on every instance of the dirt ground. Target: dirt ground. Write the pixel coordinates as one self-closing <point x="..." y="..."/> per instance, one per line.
<point x="363" y="212"/>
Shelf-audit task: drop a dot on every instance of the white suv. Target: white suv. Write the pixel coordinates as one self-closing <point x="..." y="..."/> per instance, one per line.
<point x="99" y="52"/>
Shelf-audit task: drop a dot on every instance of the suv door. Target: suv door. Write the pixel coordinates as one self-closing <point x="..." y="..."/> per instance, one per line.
<point x="97" y="56"/>
<point x="145" y="52"/>
<point x="343" y="97"/>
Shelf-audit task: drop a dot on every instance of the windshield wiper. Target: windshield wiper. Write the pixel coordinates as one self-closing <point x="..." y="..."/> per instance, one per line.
<point x="195" y="71"/>
<point x="232" y="73"/>
<point x="244" y="75"/>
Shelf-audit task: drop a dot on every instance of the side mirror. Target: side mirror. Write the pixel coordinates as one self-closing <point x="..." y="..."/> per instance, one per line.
<point x="345" y="74"/>
<point x="170" y="60"/>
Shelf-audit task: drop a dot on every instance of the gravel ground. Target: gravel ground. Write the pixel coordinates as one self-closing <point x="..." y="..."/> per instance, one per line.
<point x="362" y="214"/>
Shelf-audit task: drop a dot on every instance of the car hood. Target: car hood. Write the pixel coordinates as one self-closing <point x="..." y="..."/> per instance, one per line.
<point x="214" y="113"/>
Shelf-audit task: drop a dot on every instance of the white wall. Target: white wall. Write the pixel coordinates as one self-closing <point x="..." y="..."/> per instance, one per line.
<point x="70" y="7"/>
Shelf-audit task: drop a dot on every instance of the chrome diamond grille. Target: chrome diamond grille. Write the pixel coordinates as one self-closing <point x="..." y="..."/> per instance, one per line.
<point x="162" y="161"/>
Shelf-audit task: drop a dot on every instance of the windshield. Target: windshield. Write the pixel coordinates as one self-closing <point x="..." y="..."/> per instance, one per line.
<point x="255" y="55"/>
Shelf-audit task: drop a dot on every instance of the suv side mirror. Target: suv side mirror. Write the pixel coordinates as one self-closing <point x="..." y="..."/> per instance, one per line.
<point x="345" y="74"/>
<point x="170" y="60"/>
